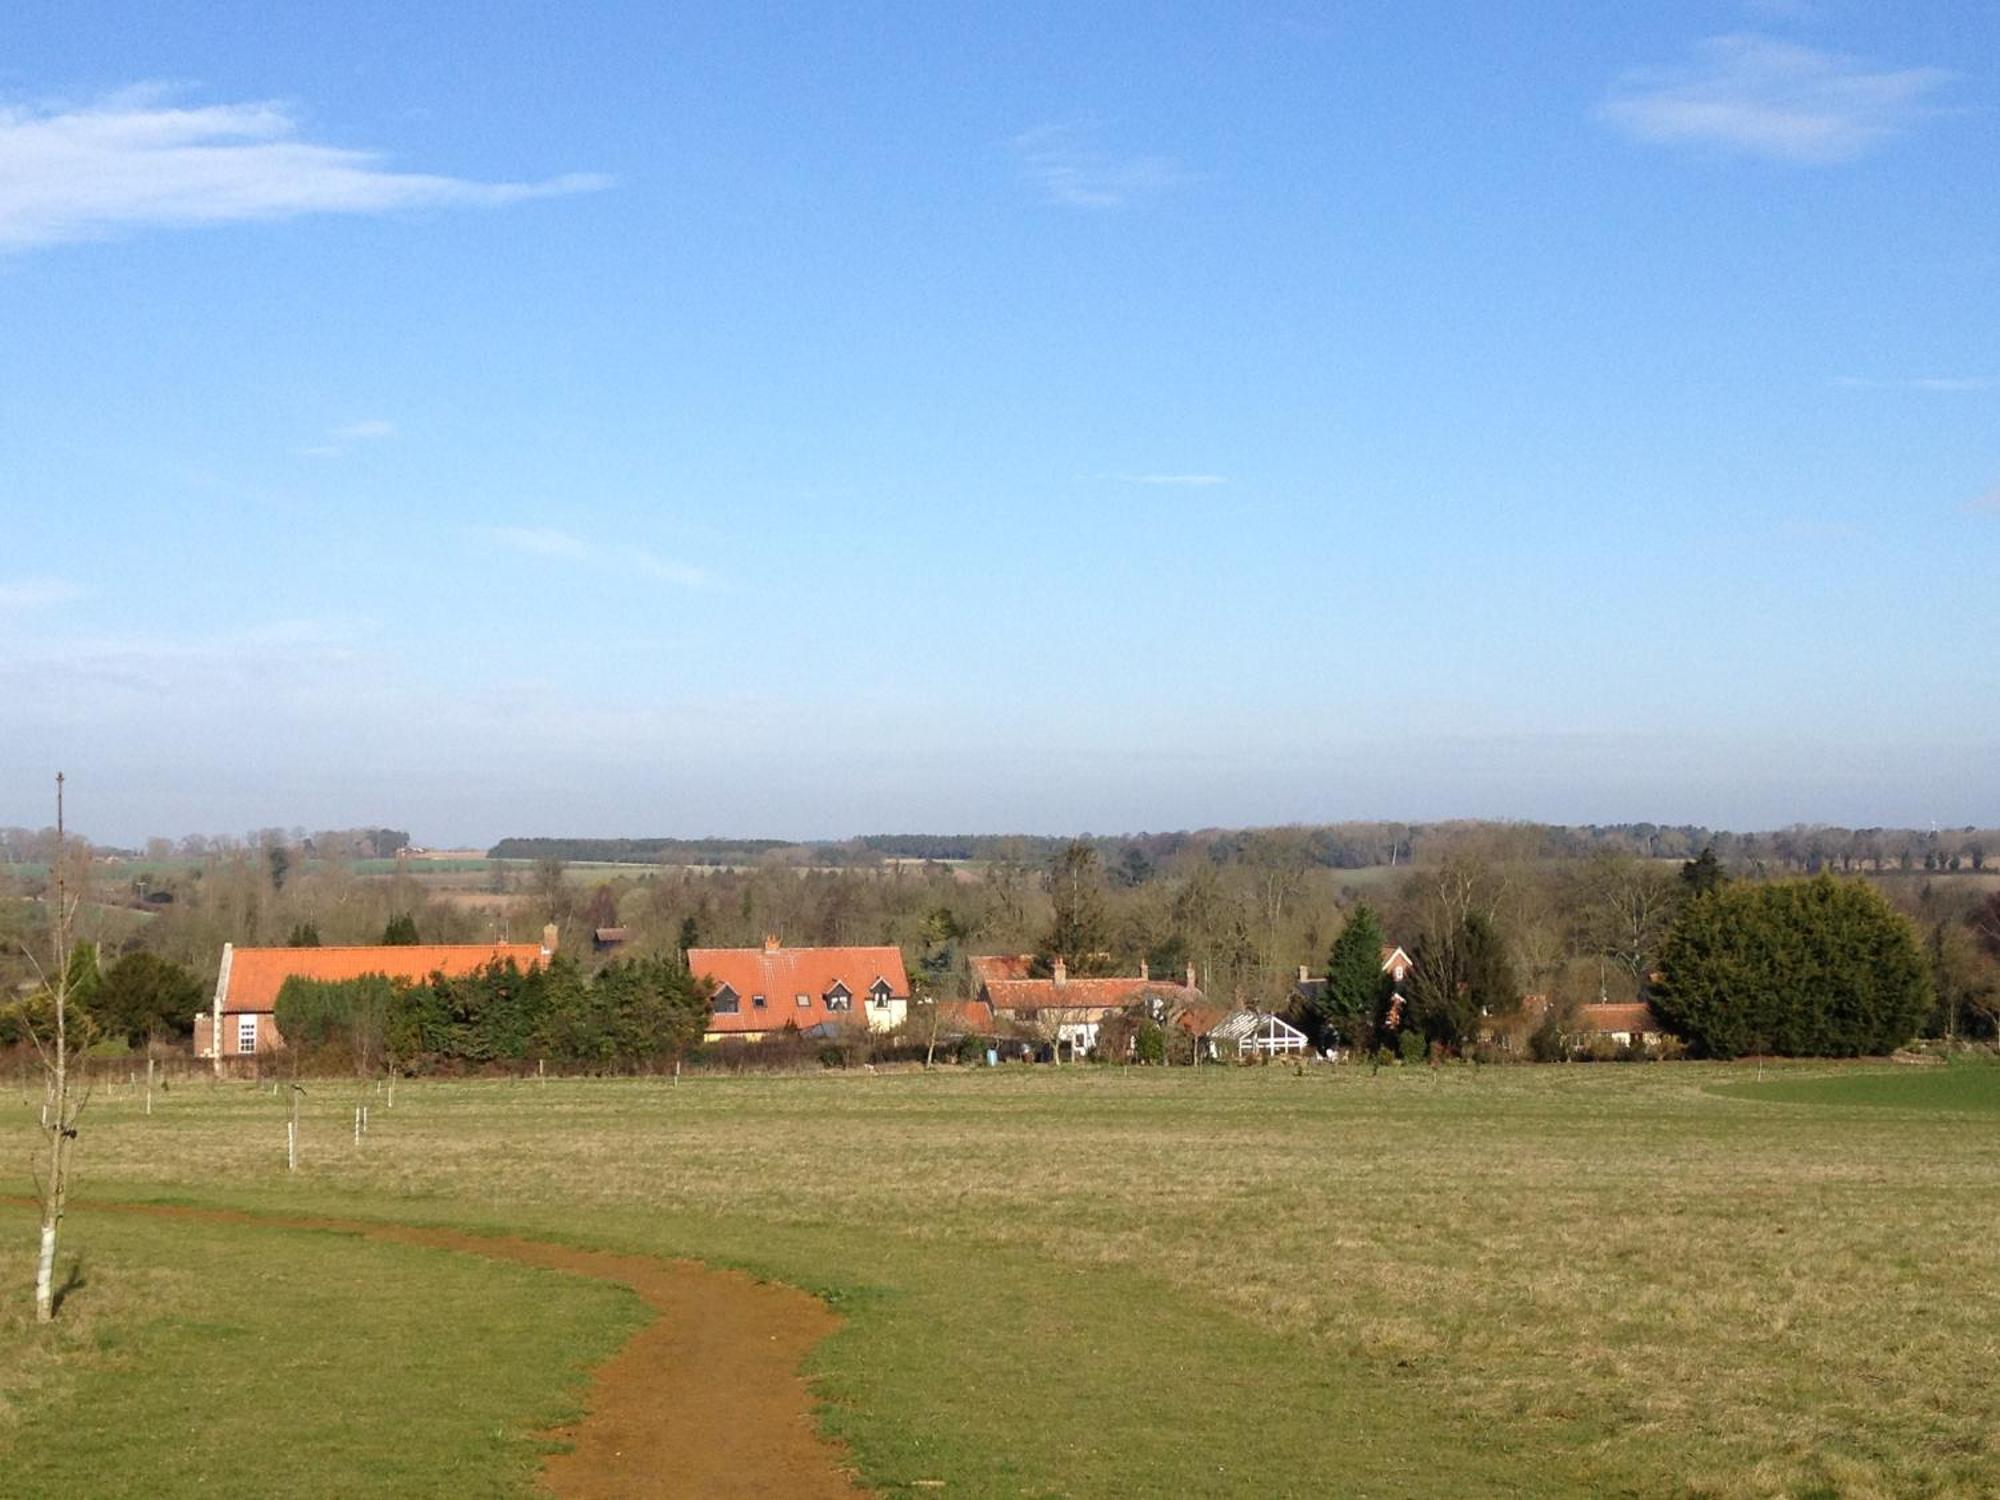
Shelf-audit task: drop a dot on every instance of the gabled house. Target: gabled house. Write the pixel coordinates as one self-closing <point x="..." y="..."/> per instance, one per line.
<point x="243" y="1014"/>
<point x="1065" y="1011"/>
<point x="761" y="991"/>
<point x="1396" y="964"/>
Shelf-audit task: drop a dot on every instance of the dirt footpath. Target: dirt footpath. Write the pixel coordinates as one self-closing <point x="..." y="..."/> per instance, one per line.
<point x="704" y="1403"/>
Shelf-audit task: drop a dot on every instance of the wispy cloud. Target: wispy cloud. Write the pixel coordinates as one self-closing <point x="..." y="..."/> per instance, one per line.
<point x="1944" y="383"/>
<point x="667" y="570"/>
<point x="549" y="542"/>
<point x="1185" y="481"/>
<point x="37" y="593"/>
<point x="538" y="541"/>
<point x="1761" y="96"/>
<point x="133" y="160"/>
<point x="341" y="439"/>
<point x="1069" y="167"/>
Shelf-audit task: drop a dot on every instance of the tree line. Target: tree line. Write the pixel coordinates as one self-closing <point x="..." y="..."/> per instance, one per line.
<point x="1484" y="912"/>
<point x="630" y="1013"/>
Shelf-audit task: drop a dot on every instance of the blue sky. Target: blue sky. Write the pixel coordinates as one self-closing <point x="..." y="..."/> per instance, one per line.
<point x="632" y="419"/>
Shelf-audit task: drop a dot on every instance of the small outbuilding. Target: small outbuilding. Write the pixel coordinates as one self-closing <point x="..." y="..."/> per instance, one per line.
<point x="1254" y="1033"/>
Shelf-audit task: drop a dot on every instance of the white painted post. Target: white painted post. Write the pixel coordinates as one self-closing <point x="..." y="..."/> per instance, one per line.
<point x="149" y="1085"/>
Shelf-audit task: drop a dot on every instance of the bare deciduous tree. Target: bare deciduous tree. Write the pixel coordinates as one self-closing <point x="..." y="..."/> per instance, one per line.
<point x="63" y="1096"/>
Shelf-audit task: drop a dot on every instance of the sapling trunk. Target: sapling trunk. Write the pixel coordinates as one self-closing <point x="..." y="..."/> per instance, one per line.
<point x="62" y="1100"/>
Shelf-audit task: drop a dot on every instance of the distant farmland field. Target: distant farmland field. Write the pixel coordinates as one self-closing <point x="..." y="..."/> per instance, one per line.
<point x="1664" y="1280"/>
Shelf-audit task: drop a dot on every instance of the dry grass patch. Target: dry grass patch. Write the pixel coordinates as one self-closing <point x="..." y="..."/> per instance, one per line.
<point x="1571" y="1280"/>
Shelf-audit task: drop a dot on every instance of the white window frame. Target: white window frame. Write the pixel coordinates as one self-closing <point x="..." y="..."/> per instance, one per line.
<point x="246" y="1030"/>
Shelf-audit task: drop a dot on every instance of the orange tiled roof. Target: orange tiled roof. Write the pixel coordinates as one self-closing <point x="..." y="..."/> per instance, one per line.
<point x="781" y="975"/>
<point x="1076" y="994"/>
<point x="1200" y="1020"/>
<point x="988" y="967"/>
<point x="257" y="974"/>
<point x="1633" y="1016"/>
<point x="965" y="1017"/>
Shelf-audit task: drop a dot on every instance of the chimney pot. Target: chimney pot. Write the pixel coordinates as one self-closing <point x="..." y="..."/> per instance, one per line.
<point x="1145" y="972"/>
<point x="1061" y="972"/>
<point x="770" y="942"/>
<point x="1190" y="972"/>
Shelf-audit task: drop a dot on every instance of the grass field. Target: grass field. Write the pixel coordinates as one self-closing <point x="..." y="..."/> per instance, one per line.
<point x="1672" y="1280"/>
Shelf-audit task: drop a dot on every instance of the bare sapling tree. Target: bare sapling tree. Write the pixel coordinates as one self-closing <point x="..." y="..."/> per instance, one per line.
<point x="926" y="1018"/>
<point x="64" y="1092"/>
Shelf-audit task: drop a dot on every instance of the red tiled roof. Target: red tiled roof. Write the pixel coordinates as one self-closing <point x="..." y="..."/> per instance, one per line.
<point x="257" y="974"/>
<point x="988" y="967"/>
<point x="965" y="1018"/>
<point x="1632" y="1016"/>
<point x="1076" y="994"/>
<point x="781" y="975"/>
<point x="1200" y="1020"/>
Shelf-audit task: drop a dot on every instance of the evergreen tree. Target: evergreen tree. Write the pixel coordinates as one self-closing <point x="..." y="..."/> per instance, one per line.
<point x="1356" y="988"/>
<point x="1461" y="976"/>
<point x="1703" y="873"/>
<point x="143" y="995"/>
<point x="1802" y="968"/>
<point x="305" y="935"/>
<point x="1081" y="930"/>
<point x="401" y="932"/>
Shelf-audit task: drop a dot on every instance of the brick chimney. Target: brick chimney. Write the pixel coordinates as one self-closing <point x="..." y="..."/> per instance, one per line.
<point x="1145" y="971"/>
<point x="549" y="941"/>
<point x="1061" y="972"/>
<point x="770" y="942"/>
<point x="1303" y="975"/>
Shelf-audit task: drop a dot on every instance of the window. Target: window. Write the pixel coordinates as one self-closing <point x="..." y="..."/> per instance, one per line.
<point x="802" y="1000"/>
<point x="839" y="997"/>
<point x="880" y="994"/>
<point x="726" y="1002"/>
<point x="246" y="1033"/>
<point x="756" y="1002"/>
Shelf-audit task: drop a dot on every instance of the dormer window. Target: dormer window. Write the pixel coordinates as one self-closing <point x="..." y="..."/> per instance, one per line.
<point x="726" y="1001"/>
<point x="756" y="1002"/>
<point x="840" y="997"/>
<point x="878" y="994"/>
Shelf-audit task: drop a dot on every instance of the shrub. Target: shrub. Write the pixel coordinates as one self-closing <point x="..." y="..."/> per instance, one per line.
<point x="1410" y="1044"/>
<point x="1150" y="1043"/>
<point x="1805" y="968"/>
